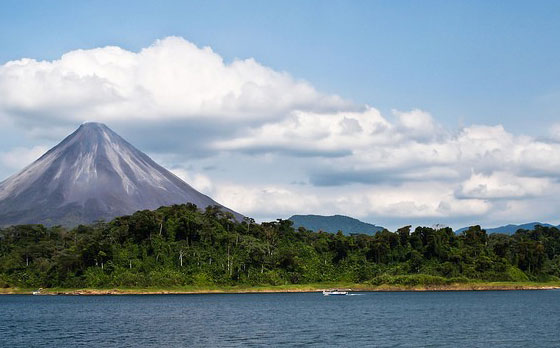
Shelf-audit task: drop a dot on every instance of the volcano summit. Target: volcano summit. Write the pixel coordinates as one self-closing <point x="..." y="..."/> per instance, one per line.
<point x="93" y="174"/>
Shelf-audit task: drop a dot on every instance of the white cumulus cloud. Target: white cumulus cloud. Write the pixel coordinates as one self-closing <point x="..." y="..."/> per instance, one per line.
<point x="270" y="145"/>
<point x="172" y="79"/>
<point x="503" y="185"/>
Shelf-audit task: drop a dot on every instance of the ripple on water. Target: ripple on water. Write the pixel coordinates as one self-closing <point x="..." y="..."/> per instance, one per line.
<point x="436" y="319"/>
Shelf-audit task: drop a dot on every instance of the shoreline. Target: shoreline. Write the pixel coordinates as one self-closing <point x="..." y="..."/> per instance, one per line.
<point x="483" y="286"/>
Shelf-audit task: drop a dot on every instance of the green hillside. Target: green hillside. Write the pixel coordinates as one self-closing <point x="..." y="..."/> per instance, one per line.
<point x="333" y="224"/>
<point x="511" y="229"/>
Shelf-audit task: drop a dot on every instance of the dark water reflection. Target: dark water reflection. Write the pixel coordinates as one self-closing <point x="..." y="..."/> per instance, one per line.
<point x="437" y="319"/>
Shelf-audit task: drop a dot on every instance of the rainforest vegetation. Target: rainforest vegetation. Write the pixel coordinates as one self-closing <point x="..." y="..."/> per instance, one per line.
<point x="181" y="245"/>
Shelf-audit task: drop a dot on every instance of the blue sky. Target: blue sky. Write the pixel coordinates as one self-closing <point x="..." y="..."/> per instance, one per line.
<point x="464" y="63"/>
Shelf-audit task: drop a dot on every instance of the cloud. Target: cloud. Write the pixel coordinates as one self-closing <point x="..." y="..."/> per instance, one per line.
<point x="365" y="147"/>
<point x="171" y="80"/>
<point x="431" y="200"/>
<point x="270" y="145"/>
<point x="198" y="181"/>
<point x="418" y="125"/>
<point x="270" y="201"/>
<point x="314" y="134"/>
<point x="20" y="157"/>
<point x="554" y="131"/>
<point x="409" y="166"/>
<point x="500" y="185"/>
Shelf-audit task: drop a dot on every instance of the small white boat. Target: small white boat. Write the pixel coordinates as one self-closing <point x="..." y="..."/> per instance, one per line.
<point x="37" y="292"/>
<point x="334" y="292"/>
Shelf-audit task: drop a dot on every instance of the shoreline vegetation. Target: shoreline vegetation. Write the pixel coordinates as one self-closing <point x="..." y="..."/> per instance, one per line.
<point x="181" y="249"/>
<point x="291" y="288"/>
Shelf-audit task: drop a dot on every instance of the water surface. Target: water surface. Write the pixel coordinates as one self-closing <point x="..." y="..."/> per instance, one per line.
<point x="403" y="319"/>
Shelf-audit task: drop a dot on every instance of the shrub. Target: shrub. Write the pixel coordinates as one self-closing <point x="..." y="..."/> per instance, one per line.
<point x="516" y="275"/>
<point x="415" y="280"/>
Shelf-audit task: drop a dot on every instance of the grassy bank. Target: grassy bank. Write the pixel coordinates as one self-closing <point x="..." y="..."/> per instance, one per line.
<point x="468" y="286"/>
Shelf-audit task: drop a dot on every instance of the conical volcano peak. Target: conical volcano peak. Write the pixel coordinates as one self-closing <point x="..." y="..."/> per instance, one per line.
<point x="92" y="174"/>
<point x="90" y="137"/>
<point x="92" y="128"/>
<point x="92" y="124"/>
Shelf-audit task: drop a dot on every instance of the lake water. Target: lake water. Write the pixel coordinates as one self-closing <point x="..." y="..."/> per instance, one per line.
<point x="405" y="319"/>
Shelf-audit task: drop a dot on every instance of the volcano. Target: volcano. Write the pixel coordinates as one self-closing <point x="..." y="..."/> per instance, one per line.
<point x="93" y="174"/>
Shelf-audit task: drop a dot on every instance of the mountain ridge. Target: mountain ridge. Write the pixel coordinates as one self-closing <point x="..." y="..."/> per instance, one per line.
<point x="334" y="223"/>
<point x="511" y="228"/>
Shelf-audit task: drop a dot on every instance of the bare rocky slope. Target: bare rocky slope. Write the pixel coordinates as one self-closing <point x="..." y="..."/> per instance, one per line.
<point x="93" y="174"/>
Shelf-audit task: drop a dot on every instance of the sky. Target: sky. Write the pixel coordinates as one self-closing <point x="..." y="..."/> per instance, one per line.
<point x="410" y="112"/>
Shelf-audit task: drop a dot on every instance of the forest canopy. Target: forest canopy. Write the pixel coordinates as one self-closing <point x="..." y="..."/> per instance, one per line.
<point x="181" y="245"/>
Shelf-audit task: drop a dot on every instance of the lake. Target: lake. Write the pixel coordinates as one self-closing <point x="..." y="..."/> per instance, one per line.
<point x="397" y="319"/>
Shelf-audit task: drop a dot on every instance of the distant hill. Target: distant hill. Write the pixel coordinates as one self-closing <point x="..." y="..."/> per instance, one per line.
<point x="333" y="224"/>
<point x="510" y="229"/>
